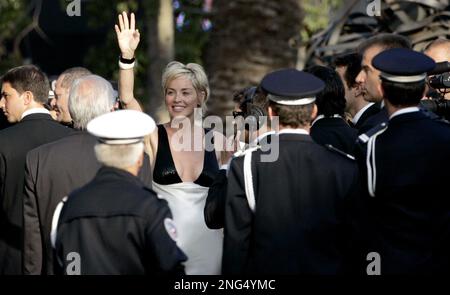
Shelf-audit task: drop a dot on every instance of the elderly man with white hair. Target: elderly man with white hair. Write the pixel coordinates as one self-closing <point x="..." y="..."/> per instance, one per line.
<point x="56" y="169"/>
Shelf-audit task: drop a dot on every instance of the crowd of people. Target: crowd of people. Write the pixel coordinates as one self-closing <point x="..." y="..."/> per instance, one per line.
<point x="360" y="170"/>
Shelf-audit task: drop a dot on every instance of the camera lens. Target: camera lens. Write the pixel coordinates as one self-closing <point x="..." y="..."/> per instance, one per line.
<point x="440" y="81"/>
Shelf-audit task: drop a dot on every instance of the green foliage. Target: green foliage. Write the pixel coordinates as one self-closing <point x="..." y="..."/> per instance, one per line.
<point x="103" y="60"/>
<point x="317" y="15"/>
<point x="12" y="21"/>
<point x="11" y="12"/>
<point x="190" y="40"/>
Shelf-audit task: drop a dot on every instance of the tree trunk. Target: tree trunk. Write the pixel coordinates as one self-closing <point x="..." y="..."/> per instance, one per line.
<point x="249" y="39"/>
<point x="160" y="37"/>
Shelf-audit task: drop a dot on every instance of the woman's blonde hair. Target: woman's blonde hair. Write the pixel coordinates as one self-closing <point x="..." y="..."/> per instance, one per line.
<point x="194" y="72"/>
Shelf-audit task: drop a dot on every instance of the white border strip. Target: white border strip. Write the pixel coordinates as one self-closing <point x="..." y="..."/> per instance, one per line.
<point x="403" y="79"/>
<point x="248" y="180"/>
<point x="296" y="102"/>
<point x="55" y="219"/>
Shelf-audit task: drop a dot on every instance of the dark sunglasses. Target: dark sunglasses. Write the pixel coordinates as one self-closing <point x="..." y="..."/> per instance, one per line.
<point x="237" y="114"/>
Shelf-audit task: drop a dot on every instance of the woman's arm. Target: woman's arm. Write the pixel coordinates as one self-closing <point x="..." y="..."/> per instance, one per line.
<point x="128" y="39"/>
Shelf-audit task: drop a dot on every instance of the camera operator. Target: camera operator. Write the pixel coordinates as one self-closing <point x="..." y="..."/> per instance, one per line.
<point x="439" y="51"/>
<point x="439" y="78"/>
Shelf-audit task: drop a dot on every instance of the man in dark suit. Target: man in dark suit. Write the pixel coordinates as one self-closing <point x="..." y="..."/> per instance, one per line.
<point x="330" y="127"/>
<point x="25" y="90"/>
<point x="348" y="67"/>
<point x="3" y="121"/>
<point x="371" y="110"/>
<point x="56" y="169"/>
<point x="407" y="171"/>
<point x="284" y="215"/>
<point x="368" y="77"/>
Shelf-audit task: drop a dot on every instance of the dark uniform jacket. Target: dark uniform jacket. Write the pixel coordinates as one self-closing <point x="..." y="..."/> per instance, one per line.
<point x="410" y="213"/>
<point x="52" y="172"/>
<point x="374" y="120"/>
<point x="300" y="223"/>
<point x="117" y="226"/>
<point x="214" y="211"/>
<point x="369" y="112"/>
<point x="334" y="131"/>
<point x="15" y="141"/>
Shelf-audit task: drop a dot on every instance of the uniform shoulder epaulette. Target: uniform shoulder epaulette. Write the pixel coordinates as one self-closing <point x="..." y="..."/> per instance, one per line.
<point x="364" y="138"/>
<point x="429" y="114"/>
<point x="338" y="151"/>
<point x="442" y="120"/>
<point x="241" y="153"/>
<point x="434" y="117"/>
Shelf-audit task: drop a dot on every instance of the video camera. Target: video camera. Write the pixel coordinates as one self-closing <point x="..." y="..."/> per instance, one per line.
<point x="440" y="76"/>
<point x="439" y="81"/>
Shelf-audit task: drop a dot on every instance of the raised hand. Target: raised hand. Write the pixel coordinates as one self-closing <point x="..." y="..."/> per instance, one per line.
<point x="127" y="36"/>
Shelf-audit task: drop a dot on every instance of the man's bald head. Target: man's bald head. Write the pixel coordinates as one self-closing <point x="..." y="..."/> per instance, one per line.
<point x="62" y="88"/>
<point x="439" y="50"/>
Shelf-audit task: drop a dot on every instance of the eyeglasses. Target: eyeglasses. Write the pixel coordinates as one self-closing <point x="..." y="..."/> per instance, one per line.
<point x="237" y="114"/>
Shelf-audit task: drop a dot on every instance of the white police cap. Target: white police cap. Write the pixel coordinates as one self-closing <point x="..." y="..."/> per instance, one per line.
<point x="121" y="127"/>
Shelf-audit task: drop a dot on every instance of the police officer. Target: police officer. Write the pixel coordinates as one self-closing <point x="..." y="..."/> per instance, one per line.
<point x="287" y="215"/>
<point x="406" y="168"/>
<point x="114" y="224"/>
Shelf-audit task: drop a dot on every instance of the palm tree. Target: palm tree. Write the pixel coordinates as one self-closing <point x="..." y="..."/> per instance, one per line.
<point x="160" y="51"/>
<point x="249" y="39"/>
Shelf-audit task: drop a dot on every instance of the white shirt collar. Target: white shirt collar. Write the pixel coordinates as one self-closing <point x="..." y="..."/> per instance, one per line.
<point x="360" y="112"/>
<point x="322" y="116"/>
<point x="293" y="131"/>
<point x="404" y="111"/>
<point x="35" y="111"/>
